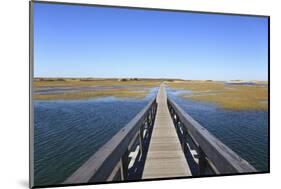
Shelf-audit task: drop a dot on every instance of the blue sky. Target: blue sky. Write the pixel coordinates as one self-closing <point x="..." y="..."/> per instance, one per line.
<point x="81" y="41"/>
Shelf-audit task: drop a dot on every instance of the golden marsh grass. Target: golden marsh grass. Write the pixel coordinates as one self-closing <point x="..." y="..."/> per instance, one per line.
<point x="86" y="83"/>
<point x="120" y="93"/>
<point x="133" y="88"/>
<point x="233" y="97"/>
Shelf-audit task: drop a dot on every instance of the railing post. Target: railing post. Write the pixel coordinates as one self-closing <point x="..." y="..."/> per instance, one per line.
<point x="147" y="119"/>
<point x="202" y="161"/>
<point x="150" y="117"/>
<point x="125" y="164"/>
<point x="141" y="139"/>
<point x="154" y="109"/>
<point x="184" y="135"/>
<point x="145" y="123"/>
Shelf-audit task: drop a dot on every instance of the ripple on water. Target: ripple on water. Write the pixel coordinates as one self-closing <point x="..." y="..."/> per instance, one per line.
<point x="67" y="133"/>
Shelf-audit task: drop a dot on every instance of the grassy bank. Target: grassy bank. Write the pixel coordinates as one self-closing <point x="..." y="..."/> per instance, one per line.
<point x="234" y="97"/>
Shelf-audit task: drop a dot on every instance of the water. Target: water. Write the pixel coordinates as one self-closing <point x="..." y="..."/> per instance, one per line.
<point x="59" y="90"/>
<point x="245" y="132"/>
<point x="67" y="133"/>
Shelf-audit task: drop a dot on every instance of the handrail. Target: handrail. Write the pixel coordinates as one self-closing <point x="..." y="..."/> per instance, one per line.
<point x="111" y="161"/>
<point x="220" y="158"/>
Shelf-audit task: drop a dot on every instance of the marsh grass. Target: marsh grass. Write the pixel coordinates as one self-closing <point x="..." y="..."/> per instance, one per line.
<point x="120" y="93"/>
<point x="86" y="83"/>
<point x="233" y="97"/>
<point x="197" y="86"/>
<point x="132" y="89"/>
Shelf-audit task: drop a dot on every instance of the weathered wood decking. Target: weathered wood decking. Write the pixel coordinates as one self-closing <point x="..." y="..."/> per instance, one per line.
<point x="165" y="157"/>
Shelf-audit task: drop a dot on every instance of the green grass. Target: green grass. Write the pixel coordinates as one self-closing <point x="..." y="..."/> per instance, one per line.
<point x="233" y="97"/>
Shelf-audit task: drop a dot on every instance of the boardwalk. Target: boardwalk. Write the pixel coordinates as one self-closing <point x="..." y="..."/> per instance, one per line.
<point x="121" y="158"/>
<point x="165" y="157"/>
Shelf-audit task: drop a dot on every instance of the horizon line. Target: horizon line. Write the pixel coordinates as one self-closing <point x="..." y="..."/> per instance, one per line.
<point x="159" y="78"/>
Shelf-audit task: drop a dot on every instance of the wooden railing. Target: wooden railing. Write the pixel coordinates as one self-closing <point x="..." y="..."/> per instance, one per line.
<point x="111" y="161"/>
<point x="212" y="156"/>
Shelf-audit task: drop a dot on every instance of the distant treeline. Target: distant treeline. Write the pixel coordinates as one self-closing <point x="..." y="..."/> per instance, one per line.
<point x="93" y="79"/>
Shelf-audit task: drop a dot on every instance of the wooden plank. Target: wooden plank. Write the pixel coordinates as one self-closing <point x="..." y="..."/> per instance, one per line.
<point x="165" y="157"/>
<point x="223" y="158"/>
